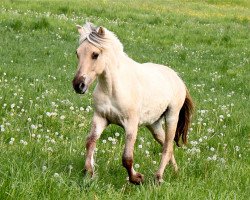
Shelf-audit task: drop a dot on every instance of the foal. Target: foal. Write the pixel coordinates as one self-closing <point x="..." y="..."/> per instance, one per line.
<point x="130" y="94"/>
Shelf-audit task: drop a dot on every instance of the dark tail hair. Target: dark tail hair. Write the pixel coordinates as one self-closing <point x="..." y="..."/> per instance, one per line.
<point x="184" y="120"/>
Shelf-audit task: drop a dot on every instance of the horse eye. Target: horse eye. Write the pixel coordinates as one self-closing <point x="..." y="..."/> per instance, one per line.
<point x="94" y="55"/>
<point x="76" y="54"/>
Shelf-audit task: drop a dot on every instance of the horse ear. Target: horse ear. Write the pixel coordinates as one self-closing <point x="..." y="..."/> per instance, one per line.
<point x="79" y="28"/>
<point x="101" y="31"/>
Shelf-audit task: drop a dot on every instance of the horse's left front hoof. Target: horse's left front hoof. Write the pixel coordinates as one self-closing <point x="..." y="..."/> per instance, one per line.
<point x="88" y="171"/>
<point x="137" y="179"/>
<point x="158" y="178"/>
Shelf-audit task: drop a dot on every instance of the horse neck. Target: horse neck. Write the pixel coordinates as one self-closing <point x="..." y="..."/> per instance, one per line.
<point x="110" y="78"/>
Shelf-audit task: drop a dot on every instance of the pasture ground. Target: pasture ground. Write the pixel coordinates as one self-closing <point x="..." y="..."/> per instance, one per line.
<point x="43" y="123"/>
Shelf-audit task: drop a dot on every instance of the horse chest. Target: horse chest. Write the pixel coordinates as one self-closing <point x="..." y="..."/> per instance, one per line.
<point x="110" y="110"/>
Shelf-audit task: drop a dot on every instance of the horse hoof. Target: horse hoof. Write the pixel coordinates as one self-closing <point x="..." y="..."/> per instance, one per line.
<point x="137" y="179"/>
<point x="159" y="180"/>
<point x="88" y="172"/>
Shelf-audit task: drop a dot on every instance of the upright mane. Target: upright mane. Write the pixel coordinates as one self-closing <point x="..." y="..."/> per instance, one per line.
<point x="106" y="41"/>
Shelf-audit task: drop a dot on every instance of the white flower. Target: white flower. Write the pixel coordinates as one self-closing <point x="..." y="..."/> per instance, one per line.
<point x="137" y="165"/>
<point x="110" y="139"/>
<point x="81" y="109"/>
<point x="70" y="167"/>
<point x="62" y="117"/>
<point x="210" y="130"/>
<point x="29" y="119"/>
<point x="81" y="125"/>
<point x="117" y="134"/>
<point x="212" y="149"/>
<point x="12" y="105"/>
<point x="2" y="128"/>
<point x="237" y="148"/>
<point x="48" y="114"/>
<point x="71" y="108"/>
<point x="52" y="141"/>
<point x="50" y="149"/>
<point x="198" y="150"/>
<point x="214" y="157"/>
<point x="11" y="142"/>
<point x="33" y="135"/>
<point x="44" y="168"/>
<point x="56" y="175"/>
<point x="33" y="126"/>
<point x="140" y="146"/>
<point x="154" y="162"/>
<point x="104" y="141"/>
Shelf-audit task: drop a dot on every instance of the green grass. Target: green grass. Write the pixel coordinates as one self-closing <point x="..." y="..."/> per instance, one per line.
<point x="42" y="154"/>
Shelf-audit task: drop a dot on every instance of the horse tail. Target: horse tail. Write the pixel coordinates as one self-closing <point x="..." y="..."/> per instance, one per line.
<point x="184" y="120"/>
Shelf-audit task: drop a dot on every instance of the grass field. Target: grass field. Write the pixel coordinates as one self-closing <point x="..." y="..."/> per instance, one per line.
<point x="43" y="123"/>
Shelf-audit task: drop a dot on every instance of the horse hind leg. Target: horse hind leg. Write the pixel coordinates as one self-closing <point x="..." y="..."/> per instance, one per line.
<point x="168" y="151"/>
<point x="157" y="131"/>
<point x="159" y="135"/>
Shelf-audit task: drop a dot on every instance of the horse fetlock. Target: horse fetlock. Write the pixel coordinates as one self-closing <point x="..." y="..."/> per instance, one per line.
<point x="176" y="169"/>
<point x="137" y="178"/>
<point x="127" y="161"/>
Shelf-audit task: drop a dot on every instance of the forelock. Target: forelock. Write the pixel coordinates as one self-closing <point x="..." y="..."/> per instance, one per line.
<point x="103" y="42"/>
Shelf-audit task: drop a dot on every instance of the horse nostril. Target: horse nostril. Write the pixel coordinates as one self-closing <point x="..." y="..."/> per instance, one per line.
<point x="81" y="86"/>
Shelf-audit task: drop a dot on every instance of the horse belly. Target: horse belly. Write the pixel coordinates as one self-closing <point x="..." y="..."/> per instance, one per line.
<point x="152" y="110"/>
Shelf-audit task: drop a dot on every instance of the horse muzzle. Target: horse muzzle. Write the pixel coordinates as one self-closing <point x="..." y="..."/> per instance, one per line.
<point x="79" y="85"/>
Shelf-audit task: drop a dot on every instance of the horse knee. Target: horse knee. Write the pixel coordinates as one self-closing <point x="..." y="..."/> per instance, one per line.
<point x="91" y="139"/>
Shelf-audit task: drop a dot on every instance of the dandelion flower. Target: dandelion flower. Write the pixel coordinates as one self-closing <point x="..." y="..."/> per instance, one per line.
<point x="117" y="134"/>
<point x="212" y="149"/>
<point x="137" y="165"/>
<point x="44" y="168"/>
<point x="237" y="148"/>
<point x="33" y="126"/>
<point x="104" y="141"/>
<point x="214" y="157"/>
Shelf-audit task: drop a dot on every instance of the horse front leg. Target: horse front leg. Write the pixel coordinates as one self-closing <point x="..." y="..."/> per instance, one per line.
<point x="128" y="157"/>
<point x="98" y="125"/>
